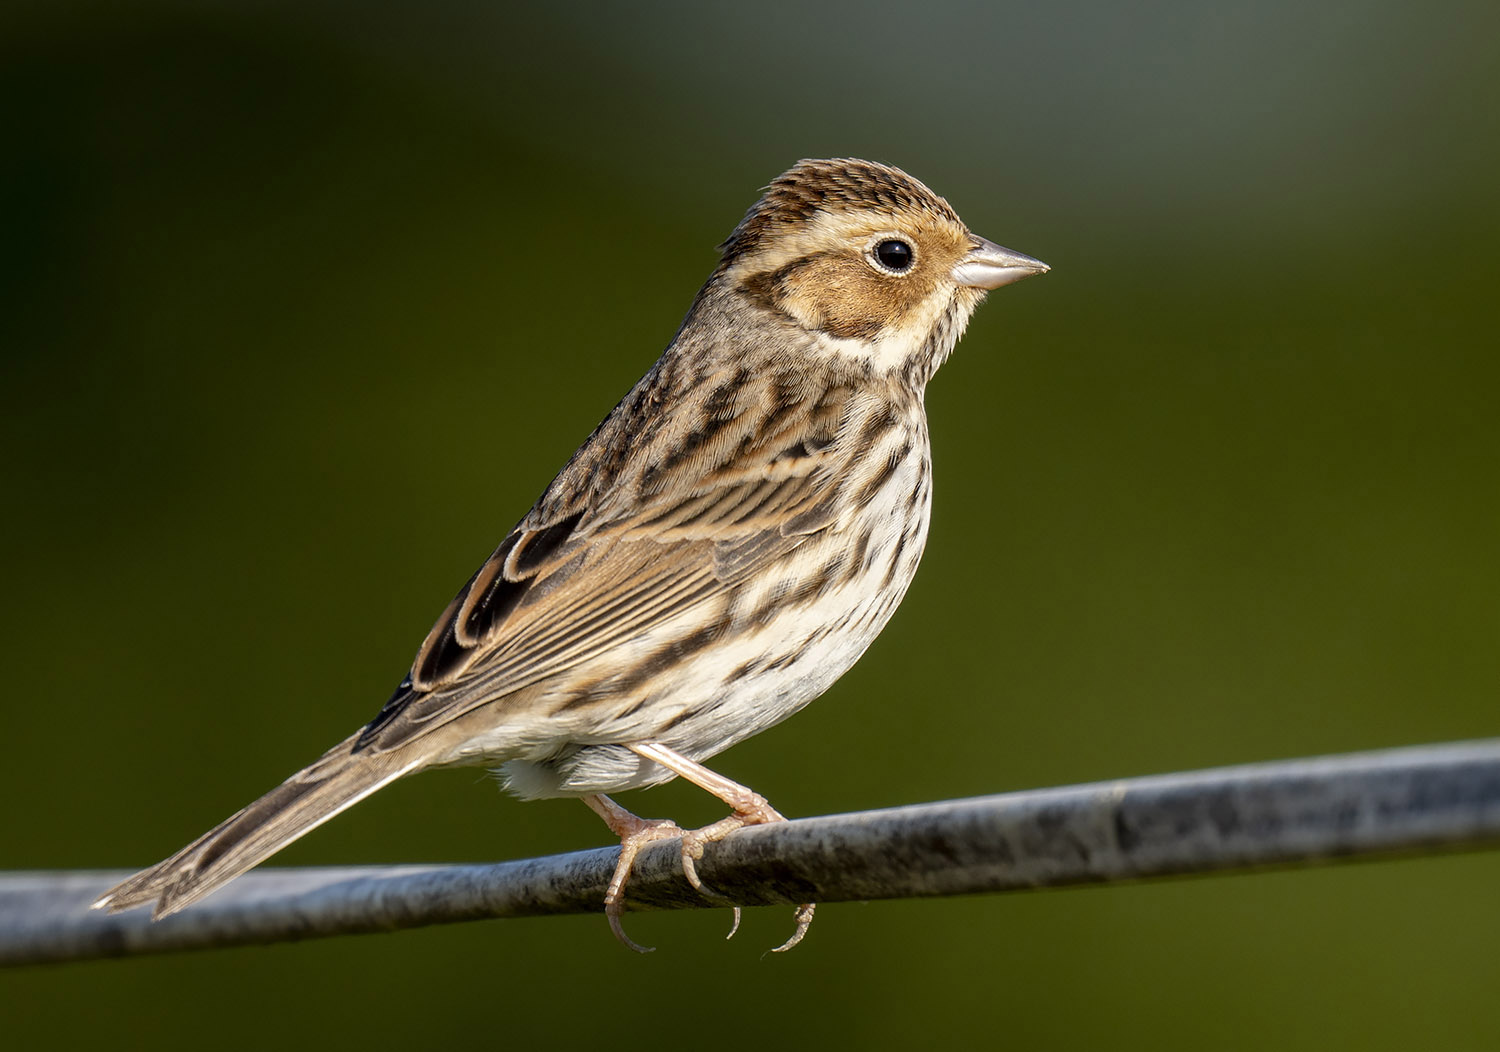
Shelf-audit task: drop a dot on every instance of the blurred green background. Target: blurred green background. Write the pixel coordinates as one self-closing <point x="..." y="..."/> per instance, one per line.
<point x="303" y="303"/>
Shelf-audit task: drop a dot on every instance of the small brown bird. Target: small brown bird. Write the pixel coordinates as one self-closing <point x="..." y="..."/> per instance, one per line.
<point x="722" y="548"/>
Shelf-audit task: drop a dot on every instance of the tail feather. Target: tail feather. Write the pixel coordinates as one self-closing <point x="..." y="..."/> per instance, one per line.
<point x="340" y="779"/>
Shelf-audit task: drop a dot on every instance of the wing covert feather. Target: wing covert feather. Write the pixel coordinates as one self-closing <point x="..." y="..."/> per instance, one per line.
<point x="557" y="593"/>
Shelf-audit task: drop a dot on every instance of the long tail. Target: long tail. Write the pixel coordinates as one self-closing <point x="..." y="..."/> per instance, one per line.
<point x="295" y="807"/>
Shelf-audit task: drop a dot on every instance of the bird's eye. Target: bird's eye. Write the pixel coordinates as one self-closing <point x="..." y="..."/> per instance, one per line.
<point x="894" y="255"/>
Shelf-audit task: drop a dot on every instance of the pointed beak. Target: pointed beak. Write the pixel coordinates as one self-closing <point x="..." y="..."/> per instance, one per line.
<point x="988" y="266"/>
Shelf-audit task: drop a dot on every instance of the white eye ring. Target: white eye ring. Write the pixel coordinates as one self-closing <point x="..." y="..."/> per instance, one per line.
<point x="891" y="254"/>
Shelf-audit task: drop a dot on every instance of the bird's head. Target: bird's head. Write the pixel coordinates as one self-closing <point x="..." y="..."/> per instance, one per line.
<point x="877" y="267"/>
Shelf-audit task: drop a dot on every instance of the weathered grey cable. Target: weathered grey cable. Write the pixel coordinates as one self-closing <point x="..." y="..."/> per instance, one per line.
<point x="1358" y="805"/>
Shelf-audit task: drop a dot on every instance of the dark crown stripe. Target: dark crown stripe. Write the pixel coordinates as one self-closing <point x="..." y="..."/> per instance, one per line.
<point x="812" y="186"/>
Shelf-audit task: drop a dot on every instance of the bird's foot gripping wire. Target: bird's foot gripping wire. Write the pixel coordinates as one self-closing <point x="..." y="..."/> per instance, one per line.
<point x="750" y="808"/>
<point x="634" y="833"/>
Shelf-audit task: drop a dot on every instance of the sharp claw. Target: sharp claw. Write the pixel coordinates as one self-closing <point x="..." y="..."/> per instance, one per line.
<point x="691" y="852"/>
<point x="619" y="930"/>
<point x="634" y="833"/>
<point x="804" y="921"/>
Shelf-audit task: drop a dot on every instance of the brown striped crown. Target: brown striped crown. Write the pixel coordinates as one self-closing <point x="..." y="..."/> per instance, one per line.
<point x="841" y="183"/>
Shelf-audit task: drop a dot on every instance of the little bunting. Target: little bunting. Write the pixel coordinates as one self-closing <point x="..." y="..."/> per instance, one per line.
<point x="722" y="548"/>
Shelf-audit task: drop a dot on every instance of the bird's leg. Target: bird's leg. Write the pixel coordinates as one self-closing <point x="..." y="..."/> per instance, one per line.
<point x="634" y="833"/>
<point x="750" y="808"/>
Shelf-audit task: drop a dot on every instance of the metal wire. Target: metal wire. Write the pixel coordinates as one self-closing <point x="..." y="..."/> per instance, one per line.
<point x="1360" y="805"/>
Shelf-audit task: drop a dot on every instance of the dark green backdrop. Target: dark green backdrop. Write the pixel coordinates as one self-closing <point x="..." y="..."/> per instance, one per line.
<point x="303" y="304"/>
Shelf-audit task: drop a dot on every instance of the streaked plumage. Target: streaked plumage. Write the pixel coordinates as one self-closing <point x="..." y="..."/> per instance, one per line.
<point x="722" y="548"/>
